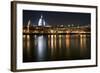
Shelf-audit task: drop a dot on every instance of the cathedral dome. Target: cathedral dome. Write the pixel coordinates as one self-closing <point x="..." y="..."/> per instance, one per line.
<point x="41" y="21"/>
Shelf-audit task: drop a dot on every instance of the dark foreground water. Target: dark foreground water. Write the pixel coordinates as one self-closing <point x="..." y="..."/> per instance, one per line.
<point x="37" y="48"/>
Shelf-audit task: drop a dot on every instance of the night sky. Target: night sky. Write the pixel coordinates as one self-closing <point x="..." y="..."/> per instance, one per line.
<point x="56" y="18"/>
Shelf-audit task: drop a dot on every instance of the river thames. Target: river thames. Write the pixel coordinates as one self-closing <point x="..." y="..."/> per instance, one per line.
<point x="39" y="48"/>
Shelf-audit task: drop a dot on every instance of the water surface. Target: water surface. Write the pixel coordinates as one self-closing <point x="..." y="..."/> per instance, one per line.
<point x="37" y="48"/>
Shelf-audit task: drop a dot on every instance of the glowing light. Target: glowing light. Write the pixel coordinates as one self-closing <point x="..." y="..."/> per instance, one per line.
<point x="55" y="42"/>
<point x="51" y="31"/>
<point x="24" y="36"/>
<point x="29" y="22"/>
<point x="41" y="21"/>
<point x="68" y="45"/>
<point x="82" y="44"/>
<point x="67" y="41"/>
<point x="60" y="41"/>
<point x="28" y="42"/>
<point x="41" y="45"/>
<point x="24" y="30"/>
<point x="52" y="46"/>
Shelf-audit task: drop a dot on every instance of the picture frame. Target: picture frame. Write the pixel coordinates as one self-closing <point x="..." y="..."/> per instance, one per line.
<point x="33" y="19"/>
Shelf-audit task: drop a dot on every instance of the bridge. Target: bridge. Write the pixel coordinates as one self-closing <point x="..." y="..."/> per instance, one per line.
<point x="43" y="28"/>
<point x="56" y="30"/>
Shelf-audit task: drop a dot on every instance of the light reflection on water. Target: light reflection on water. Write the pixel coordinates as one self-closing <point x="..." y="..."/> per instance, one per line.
<point x="56" y="47"/>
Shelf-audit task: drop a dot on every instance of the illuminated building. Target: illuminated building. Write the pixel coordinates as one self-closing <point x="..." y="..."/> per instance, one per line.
<point x="41" y="21"/>
<point x="43" y="28"/>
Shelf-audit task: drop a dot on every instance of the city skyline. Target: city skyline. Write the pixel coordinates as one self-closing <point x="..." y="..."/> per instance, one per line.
<point x="56" y="18"/>
<point x="55" y="36"/>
